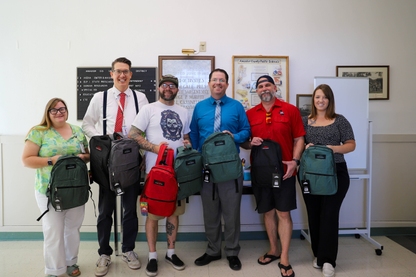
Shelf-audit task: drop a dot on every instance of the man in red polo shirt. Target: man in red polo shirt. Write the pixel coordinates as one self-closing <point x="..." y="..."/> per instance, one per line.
<point x="281" y="122"/>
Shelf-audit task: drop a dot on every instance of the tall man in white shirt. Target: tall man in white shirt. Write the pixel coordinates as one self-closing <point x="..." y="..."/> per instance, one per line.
<point x="93" y="126"/>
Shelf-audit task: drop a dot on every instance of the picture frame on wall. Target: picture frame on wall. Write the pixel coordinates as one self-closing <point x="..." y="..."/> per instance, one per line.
<point x="246" y="71"/>
<point x="304" y="103"/>
<point x="192" y="73"/>
<point x="378" y="78"/>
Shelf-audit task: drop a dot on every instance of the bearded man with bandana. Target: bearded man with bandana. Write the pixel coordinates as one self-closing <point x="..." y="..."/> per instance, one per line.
<point x="281" y="122"/>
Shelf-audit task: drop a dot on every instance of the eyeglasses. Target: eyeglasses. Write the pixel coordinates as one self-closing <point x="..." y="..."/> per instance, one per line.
<point x="214" y="80"/>
<point x="62" y="110"/>
<point x="119" y="72"/>
<point x="269" y="118"/>
<point x="172" y="86"/>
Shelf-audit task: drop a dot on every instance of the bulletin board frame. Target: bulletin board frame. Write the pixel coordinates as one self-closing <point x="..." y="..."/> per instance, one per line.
<point x="247" y="69"/>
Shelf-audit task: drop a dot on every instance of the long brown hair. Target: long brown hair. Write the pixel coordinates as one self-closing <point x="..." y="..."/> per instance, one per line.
<point x="46" y="122"/>
<point x="330" y="110"/>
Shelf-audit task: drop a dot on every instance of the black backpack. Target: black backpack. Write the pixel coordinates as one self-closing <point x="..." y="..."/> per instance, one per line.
<point x="188" y="170"/>
<point x="266" y="164"/>
<point x="100" y="148"/>
<point x="69" y="184"/>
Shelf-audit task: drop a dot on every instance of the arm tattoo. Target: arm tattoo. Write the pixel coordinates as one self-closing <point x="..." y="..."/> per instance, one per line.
<point x="137" y="135"/>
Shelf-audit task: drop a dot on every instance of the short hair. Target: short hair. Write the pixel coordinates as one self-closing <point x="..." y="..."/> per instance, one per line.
<point x="219" y="70"/>
<point x="330" y="110"/>
<point x="121" y="60"/>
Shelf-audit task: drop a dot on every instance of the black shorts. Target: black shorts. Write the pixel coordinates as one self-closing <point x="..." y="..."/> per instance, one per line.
<point x="282" y="199"/>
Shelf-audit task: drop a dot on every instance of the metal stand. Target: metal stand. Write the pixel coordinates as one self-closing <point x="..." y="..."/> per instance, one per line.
<point x="361" y="232"/>
<point x="116" y="235"/>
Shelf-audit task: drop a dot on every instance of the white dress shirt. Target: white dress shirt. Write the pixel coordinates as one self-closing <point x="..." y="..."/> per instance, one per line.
<point x="92" y="123"/>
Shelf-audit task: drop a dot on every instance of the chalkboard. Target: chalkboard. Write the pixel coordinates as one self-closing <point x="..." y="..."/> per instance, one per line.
<point x="94" y="79"/>
<point x="351" y="100"/>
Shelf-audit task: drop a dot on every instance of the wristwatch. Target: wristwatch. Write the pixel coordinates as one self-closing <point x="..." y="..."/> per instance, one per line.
<point x="50" y="161"/>
<point x="297" y="161"/>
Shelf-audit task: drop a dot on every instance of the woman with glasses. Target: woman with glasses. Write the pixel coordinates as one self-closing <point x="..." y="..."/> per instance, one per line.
<point x="44" y="144"/>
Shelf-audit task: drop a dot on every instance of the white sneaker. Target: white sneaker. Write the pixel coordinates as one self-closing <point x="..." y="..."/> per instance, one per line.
<point x="132" y="259"/>
<point x="315" y="263"/>
<point x="103" y="264"/>
<point x="328" y="270"/>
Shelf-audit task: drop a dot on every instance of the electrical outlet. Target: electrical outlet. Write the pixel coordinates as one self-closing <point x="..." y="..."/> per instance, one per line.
<point x="202" y="46"/>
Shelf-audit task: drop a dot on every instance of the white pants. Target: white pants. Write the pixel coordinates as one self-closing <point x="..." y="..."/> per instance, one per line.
<point x="61" y="236"/>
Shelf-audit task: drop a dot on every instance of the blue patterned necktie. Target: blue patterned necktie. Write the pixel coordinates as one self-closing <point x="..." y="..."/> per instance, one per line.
<point x="217" y="121"/>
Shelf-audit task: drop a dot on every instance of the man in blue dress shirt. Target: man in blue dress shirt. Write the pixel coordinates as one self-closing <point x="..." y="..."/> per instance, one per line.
<point x="227" y="197"/>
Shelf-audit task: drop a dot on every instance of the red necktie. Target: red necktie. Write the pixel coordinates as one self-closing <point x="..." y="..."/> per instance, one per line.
<point x="119" y="120"/>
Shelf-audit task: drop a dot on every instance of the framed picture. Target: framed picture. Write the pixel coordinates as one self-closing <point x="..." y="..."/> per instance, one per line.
<point x="304" y="103"/>
<point x="246" y="71"/>
<point x="378" y="78"/>
<point x="193" y="73"/>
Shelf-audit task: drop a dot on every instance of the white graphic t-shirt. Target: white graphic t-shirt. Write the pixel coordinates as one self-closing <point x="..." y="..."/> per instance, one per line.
<point x="162" y="123"/>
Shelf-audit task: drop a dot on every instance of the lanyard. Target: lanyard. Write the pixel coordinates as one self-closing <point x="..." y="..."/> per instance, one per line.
<point x="119" y="103"/>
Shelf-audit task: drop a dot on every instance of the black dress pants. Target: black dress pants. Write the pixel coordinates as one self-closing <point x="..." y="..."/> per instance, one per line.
<point x="323" y="219"/>
<point x="106" y="204"/>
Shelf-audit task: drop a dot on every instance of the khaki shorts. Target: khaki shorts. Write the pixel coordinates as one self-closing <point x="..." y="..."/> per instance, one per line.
<point x="180" y="210"/>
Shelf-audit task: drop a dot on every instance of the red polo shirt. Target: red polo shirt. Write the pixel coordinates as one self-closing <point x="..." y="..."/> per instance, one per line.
<point x="285" y="125"/>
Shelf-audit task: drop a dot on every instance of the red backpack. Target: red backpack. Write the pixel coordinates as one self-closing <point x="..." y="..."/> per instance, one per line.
<point x="161" y="188"/>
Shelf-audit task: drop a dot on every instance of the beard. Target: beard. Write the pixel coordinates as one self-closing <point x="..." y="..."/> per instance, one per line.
<point x="266" y="96"/>
<point x="168" y="98"/>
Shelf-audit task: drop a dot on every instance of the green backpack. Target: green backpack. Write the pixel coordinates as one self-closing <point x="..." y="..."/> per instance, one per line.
<point x="188" y="170"/>
<point x="69" y="184"/>
<point x="221" y="159"/>
<point x="318" y="170"/>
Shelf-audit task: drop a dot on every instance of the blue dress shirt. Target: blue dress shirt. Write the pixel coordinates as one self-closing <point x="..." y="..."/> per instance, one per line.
<point x="233" y="119"/>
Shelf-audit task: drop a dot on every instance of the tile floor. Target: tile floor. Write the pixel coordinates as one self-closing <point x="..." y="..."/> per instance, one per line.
<point x="356" y="258"/>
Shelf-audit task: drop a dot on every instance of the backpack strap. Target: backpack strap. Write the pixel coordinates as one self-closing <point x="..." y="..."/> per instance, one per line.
<point x="161" y="156"/>
<point x="165" y="156"/>
<point x="105" y="112"/>
<point x="47" y="210"/>
<point x="93" y="202"/>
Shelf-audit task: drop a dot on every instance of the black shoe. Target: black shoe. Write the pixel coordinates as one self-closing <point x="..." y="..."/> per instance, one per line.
<point x="234" y="262"/>
<point x="175" y="262"/>
<point x="151" y="268"/>
<point x="206" y="259"/>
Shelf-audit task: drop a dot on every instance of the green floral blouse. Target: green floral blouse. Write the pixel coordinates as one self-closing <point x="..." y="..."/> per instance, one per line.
<point x="51" y="143"/>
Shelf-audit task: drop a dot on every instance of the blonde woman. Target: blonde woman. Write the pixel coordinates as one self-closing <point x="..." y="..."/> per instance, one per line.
<point x="44" y="144"/>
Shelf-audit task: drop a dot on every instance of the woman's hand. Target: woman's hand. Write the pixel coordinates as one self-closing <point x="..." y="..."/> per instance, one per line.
<point x="309" y="144"/>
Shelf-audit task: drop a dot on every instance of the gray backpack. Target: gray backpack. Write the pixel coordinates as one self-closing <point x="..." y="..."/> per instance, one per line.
<point x="123" y="164"/>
